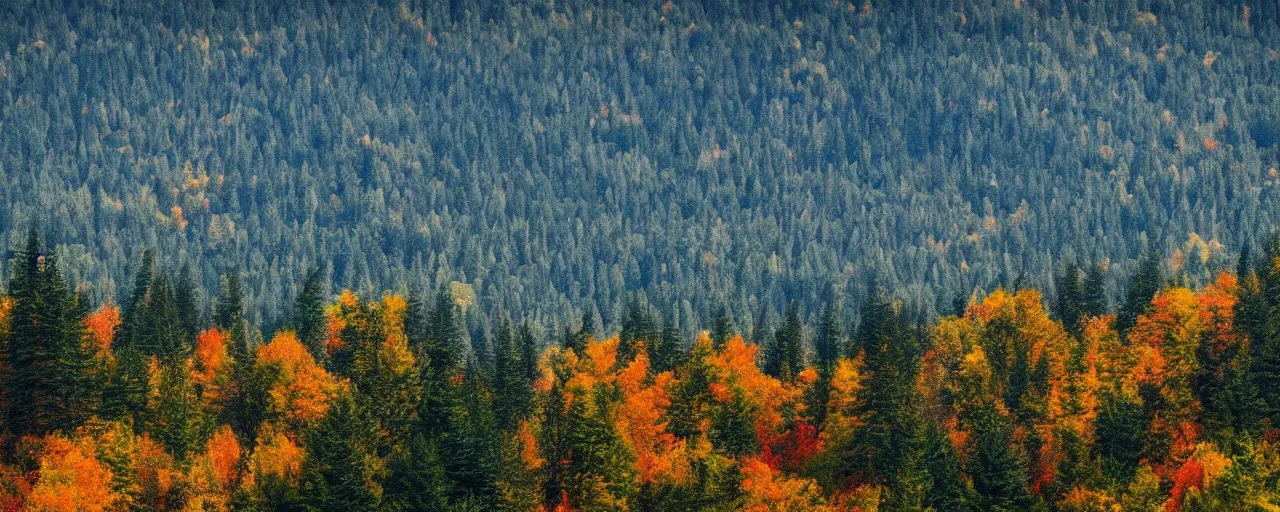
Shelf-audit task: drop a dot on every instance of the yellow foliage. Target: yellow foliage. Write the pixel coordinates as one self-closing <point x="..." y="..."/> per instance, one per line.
<point x="767" y="490"/>
<point x="71" y="479"/>
<point x="304" y="390"/>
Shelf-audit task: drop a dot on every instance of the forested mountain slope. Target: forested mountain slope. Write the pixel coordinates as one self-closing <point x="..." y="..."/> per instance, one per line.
<point x="556" y="156"/>
<point x="368" y="403"/>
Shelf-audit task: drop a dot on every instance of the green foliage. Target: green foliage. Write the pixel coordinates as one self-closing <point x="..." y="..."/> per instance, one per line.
<point x="341" y="470"/>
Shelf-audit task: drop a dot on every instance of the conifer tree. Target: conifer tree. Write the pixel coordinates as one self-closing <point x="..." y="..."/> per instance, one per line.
<point x="416" y="482"/>
<point x="308" y="313"/>
<point x="1095" y="292"/>
<point x="229" y="314"/>
<point x="173" y="408"/>
<point x="187" y="303"/>
<point x="666" y="351"/>
<point x="44" y="336"/>
<point x="1070" y="303"/>
<point x="999" y="472"/>
<point x="470" y="452"/>
<point x="722" y="329"/>
<point x="341" y="470"/>
<point x="528" y="346"/>
<point x="783" y="357"/>
<point x="1142" y="288"/>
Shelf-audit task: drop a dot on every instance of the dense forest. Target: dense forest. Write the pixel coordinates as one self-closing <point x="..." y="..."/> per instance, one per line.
<point x="385" y="403"/>
<point x="552" y="157"/>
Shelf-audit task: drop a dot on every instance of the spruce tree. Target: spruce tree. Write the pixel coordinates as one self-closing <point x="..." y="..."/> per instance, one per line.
<point x="999" y="472"/>
<point x="340" y="471"/>
<point x="44" y="336"/>
<point x="528" y="346"/>
<point x="668" y="348"/>
<point x="1095" y="292"/>
<point x="1070" y="303"/>
<point x="784" y="357"/>
<point x="416" y="482"/>
<point x="308" y="313"/>
<point x="1143" y="286"/>
<point x="187" y="303"/>
<point x="722" y="329"/>
<point x="470" y="450"/>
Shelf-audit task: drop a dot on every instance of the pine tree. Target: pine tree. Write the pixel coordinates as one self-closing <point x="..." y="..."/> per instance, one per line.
<point x="1070" y="303"/>
<point x="1095" y="292"/>
<point x="340" y="471"/>
<point x="783" y="357"/>
<point x="528" y="345"/>
<point x="513" y="396"/>
<point x="600" y="475"/>
<point x="187" y="304"/>
<point x="1142" y="288"/>
<point x="417" y="482"/>
<point x="173" y="409"/>
<point x="722" y="329"/>
<point x="229" y="314"/>
<point x="79" y="381"/>
<point x="470" y="452"/>
<point x="667" y="350"/>
<point x="890" y="347"/>
<point x="638" y="327"/>
<point x="44" y="336"/>
<point x="308" y="313"/>
<point x="829" y="344"/>
<point x="999" y="472"/>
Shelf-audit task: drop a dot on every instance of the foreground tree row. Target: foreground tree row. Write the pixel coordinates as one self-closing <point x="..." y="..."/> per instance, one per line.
<point x="384" y="404"/>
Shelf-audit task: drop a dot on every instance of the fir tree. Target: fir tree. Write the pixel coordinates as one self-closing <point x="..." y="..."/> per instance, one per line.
<point x="340" y="471"/>
<point x="783" y="357"/>
<point x="1095" y="292"/>
<point x="999" y="472"/>
<point x="722" y="329"/>
<point x="308" y="313"/>
<point x="417" y="482"/>
<point x="43" y="332"/>
<point x="470" y="452"/>
<point x="187" y="303"/>
<point x="1070" y="303"/>
<point x="1142" y="288"/>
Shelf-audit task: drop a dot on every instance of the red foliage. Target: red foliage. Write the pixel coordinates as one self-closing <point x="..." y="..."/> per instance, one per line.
<point x="790" y="449"/>
<point x="1190" y="475"/>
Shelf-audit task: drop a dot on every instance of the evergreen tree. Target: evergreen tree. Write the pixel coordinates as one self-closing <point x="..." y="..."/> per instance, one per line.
<point x="1143" y="286"/>
<point x="513" y="396"/>
<point x="829" y="344"/>
<point x="783" y="357"/>
<point x="666" y="351"/>
<point x="188" y="306"/>
<point x="417" y="482"/>
<point x="722" y="329"/>
<point x="340" y="471"/>
<point x="173" y="409"/>
<point x="528" y="346"/>
<point x="43" y="332"/>
<point x="1095" y="292"/>
<point x="1070" y="303"/>
<point x="999" y="472"/>
<point x="470" y="450"/>
<point x="638" y="327"/>
<point x="229" y="314"/>
<point x="600" y="475"/>
<point x="308" y="313"/>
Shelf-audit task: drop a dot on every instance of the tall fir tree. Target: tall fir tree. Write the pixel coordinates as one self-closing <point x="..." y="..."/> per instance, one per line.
<point x="784" y="357"/>
<point x="45" y="337"/>
<point x="1070" y="303"/>
<point x="340" y="472"/>
<point x="308" y="313"/>
<point x="1095" y="292"/>
<point x="722" y="329"/>
<point x="1143" y="286"/>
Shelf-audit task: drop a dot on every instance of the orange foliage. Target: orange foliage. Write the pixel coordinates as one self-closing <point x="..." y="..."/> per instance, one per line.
<point x="304" y="389"/>
<point x="211" y="359"/>
<point x="766" y="490"/>
<point x="275" y="456"/>
<point x="735" y="366"/>
<point x="101" y="325"/>
<point x="224" y="455"/>
<point x="71" y="479"/>
<point x="640" y="420"/>
<point x="528" y="443"/>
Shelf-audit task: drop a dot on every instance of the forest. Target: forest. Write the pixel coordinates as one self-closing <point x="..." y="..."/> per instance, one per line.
<point x="552" y="157"/>
<point x="1168" y="401"/>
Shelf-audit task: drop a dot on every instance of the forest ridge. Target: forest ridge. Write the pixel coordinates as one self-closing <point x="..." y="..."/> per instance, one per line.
<point x="1169" y="403"/>
<point x="561" y="156"/>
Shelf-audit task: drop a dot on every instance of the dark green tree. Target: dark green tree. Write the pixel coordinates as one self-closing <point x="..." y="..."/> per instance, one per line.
<point x="341" y="470"/>
<point x="1095" y="292"/>
<point x="783" y="358"/>
<point x="1070" y="303"/>
<point x="1143" y="286"/>
<point x="308" y="313"/>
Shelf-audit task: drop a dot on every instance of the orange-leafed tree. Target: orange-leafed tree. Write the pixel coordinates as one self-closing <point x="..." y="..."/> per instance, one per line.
<point x="303" y="390"/>
<point x="71" y="479"/>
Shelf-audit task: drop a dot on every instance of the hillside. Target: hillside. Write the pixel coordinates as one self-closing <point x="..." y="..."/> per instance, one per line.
<point x="556" y="157"/>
